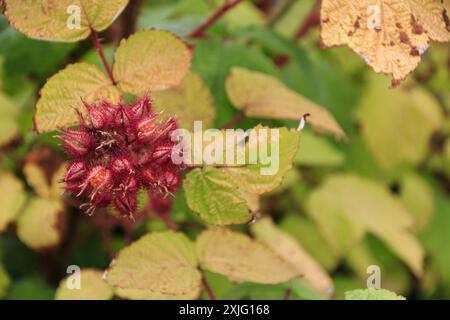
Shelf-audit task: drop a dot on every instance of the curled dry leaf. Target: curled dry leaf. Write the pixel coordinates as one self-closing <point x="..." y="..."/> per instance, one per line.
<point x="92" y="287"/>
<point x="62" y="20"/>
<point x="390" y="35"/>
<point x="241" y="258"/>
<point x="263" y="96"/>
<point x="289" y="248"/>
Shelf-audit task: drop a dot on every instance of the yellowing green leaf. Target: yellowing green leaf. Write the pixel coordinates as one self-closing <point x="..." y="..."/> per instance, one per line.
<point x="364" y="206"/>
<point x="218" y="201"/>
<point x="8" y="119"/>
<point x="64" y="92"/>
<point x="240" y="258"/>
<point x="390" y="35"/>
<point x="289" y="249"/>
<point x="157" y="265"/>
<point x="189" y="101"/>
<point x="417" y="196"/>
<point x="317" y="152"/>
<point x="36" y="178"/>
<point x="263" y="96"/>
<point x="372" y="294"/>
<point x="397" y="124"/>
<point x="57" y="19"/>
<point x="12" y="198"/>
<point x="268" y="172"/>
<point x="92" y="287"/>
<point x="151" y="60"/>
<point x="42" y="224"/>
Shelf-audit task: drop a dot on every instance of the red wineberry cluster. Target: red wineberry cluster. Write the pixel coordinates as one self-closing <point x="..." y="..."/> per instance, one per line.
<point x="119" y="151"/>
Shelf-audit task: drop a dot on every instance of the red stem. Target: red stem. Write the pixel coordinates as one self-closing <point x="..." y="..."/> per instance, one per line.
<point x="169" y="223"/>
<point x="311" y="21"/>
<point x="208" y="289"/>
<point x="98" y="47"/>
<point x="228" y="5"/>
<point x="238" y="117"/>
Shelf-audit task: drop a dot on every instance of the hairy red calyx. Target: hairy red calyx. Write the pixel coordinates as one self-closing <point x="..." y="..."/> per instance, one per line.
<point x="119" y="151"/>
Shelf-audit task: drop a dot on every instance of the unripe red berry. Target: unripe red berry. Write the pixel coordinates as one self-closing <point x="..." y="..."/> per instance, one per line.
<point x="126" y="202"/>
<point x="75" y="171"/>
<point x="147" y="129"/>
<point x="121" y="165"/>
<point x="162" y="154"/>
<point x="77" y="143"/>
<point x="104" y="115"/>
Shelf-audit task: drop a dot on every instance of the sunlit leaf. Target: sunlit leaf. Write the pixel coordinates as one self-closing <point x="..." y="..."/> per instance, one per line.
<point x="92" y="287"/>
<point x="372" y="294"/>
<point x="315" y="151"/>
<point x="12" y="198"/>
<point x="390" y="35"/>
<point x="57" y="19"/>
<point x="289" y="249"/>
<point x="240" y="258"/>
<point x="151" y="60"/>
<point x="157" y="265"/>
<point x="263" y="96"/>
<point x="190" y="101"/>
<point x="41" y="225"/>
<point x="65" y="91"/>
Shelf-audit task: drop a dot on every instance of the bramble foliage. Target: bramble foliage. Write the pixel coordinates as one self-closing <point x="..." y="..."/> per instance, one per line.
<point x="362" y="178"/>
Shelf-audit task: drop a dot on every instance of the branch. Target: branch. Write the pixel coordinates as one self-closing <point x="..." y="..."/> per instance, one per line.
<point x="311" y="21"/>
<point x="238" y="117"/>
<point x="207" y="287"/>
<point x="228" y="5"/>
<point x="98" y="47"/>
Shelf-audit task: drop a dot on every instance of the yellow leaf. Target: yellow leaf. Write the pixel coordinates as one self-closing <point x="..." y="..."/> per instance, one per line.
<point x="237" y="256"/>
<point x="92" y="287"/>
<point x="42" y="224"/>
<point x="58" y="19"/>
<point x="263" y="96"/>
<point x="397" y="124"/>
<point x="288" y="248"/>
<point x="365" y="207"/>
<point x="151" y="60"/>
<point x="418" y="198"/>
<point x="12" y="198"/>
<point x="157" y="265"/>
<point x="390" y="35"/>
<point x="64" y="92"/>
<point x="190" y="101"/>
<point x="134" y="294"/>
<point x="8" y="117"/>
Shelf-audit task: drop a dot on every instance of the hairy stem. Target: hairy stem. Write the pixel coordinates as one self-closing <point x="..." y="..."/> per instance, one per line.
<point x="227" y="6"/>
<point x="208" y="289"/>
<point x="235" y="120"/>
<point x="287" y="294"/>
<point x="98" y="47"/>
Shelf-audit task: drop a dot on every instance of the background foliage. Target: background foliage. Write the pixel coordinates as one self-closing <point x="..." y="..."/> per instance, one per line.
<point x="369" y="184"/>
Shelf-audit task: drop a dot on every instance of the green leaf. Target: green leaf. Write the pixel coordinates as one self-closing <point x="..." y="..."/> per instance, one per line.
<point x="263" y="96"/>
<point x="12" y="198"/>
<point x="316" y="151"/>
<point x="31" y="288"/>
<point x="397" y="124"/>
<point x="159" y="265"/>
<point x="347" y="206"/>
<point x="9" y="113"/>
<point x="92" y="287"/>
<point x="42" y="224"/>
<point x="151" y="60"/>
<point x="240" y="258"/>
<point x="52" y="19"/>
<point x="372" y="294"/>
<point x="218" y="201"/>
<point x="65" y="91"/>
<point x="188" y="102"/>
<point x="289" y="249"/>
<point x="5" y="282"/>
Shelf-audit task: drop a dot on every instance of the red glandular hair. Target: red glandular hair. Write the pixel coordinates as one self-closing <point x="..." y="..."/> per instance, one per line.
<point x="120" y="150"/>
